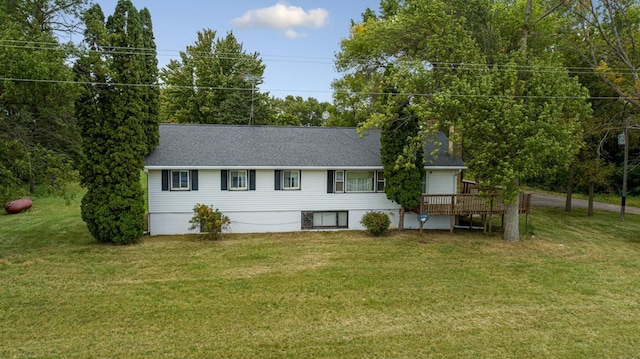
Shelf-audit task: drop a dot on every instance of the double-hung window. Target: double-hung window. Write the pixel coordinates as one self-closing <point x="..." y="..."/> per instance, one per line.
<point x="291" y="179"/>
<point x="339" y="181"/>
<point x="239" y="180"/>
<point x="287" y="180"/>
<point x="380" y="181"/>
<point x="179" y="180"/>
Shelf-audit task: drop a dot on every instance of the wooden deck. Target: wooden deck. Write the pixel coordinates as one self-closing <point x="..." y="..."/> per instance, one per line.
<point x="465" y="204"/>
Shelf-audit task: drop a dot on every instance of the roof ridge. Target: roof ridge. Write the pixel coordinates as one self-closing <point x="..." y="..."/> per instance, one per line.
<point x="255" y="126"/>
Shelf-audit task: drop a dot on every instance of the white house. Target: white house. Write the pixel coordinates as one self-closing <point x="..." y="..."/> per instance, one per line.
<point x="278" y="179"/>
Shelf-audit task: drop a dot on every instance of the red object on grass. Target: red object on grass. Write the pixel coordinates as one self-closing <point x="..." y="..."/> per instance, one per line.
<point x="18" y="205"/>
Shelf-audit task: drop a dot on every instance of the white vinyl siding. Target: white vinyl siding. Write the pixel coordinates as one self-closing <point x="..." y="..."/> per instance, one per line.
<point x="441" y="182"/>
<point x="269" y="210"/>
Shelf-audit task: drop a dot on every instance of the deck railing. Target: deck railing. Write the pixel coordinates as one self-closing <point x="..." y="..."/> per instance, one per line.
<point x="466" y="204"/>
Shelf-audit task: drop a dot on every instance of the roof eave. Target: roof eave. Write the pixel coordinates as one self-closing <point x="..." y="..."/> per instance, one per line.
<point x="156" y="167"/>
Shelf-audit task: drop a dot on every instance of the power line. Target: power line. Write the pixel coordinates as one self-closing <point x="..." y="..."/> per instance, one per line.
<point x="159" y="52"/>
<point x="310" y="59"/>
<point x="94" y="83"/>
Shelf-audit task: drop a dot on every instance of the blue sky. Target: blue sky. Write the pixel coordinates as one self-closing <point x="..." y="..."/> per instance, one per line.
<point x="296" y="39"/>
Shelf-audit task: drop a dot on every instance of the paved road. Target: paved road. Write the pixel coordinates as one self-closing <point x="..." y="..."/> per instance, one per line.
<point x="549" y="200"/>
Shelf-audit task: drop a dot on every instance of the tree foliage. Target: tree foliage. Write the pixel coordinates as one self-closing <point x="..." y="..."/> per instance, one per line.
<point x="608" y="41"/>
<point x="603" y="36"/>
<point x="149" y="78"/>
<point x="213" y="83"/>
<point x="401" y="148"/>
<point x="518" y="119"/>
<point x="39" y="139"/>
<point x="210" y="222"/>
<point x="114" y="118"/>
<point x="296" y="111"/>
<point x="45" y="16"/>
<point x="376" y="222"/>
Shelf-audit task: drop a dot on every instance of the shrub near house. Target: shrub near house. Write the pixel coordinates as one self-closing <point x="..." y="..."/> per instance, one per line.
<point x="376" y="222"/>
<point x="208" y="221"/>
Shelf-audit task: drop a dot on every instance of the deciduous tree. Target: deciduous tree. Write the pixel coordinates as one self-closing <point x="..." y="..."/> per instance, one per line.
<point x="40" y="139"/>
<point x="213" y="83"/>
<point x="518" y="118"/>
<point x="296" y="111"/>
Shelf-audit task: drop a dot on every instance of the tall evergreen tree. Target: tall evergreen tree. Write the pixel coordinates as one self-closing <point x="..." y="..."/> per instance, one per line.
<point x="113" y="124"/>
<point x="149" y="77"/>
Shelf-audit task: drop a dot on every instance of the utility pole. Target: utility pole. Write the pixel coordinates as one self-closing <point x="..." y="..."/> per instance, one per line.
<point x="625" y="168"/>
<point x="253" y="79"/>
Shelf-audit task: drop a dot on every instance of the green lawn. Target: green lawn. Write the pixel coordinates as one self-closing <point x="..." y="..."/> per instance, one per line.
<point x="570" y="290"/>
<point x="611" y="199"/>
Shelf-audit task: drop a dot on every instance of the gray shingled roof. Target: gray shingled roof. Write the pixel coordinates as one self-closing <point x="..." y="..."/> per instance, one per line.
<point x="274" y="146"/>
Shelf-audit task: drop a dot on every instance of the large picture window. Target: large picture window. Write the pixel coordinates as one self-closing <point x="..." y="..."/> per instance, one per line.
<point x="353" y="181"/>
<point x="359" y="181"/>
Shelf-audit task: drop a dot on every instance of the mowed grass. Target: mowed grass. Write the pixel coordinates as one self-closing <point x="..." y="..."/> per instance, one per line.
<point x="570" y="289"/>
<point x="611" y="199"/>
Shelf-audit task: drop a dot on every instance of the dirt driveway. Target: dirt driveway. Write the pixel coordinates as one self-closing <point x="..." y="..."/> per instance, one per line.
<point x="549" y="200"/>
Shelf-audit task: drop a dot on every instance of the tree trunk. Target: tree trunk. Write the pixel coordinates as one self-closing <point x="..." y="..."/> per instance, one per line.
<point x="32" y="184"/>
<point x="567" y="203"/>
<point x="512" y="225"/>
<point x="592" y="189"/>
<point x="401" y="219"/>
<point x="525" y="27"/>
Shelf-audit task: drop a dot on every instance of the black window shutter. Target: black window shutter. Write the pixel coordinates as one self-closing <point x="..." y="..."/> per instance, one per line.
<point x="252" y="180"/>
<point x="194" y="180"/>
<point x="330" y="175"/>
<point x="300" y="179"/>
<point x="223" y="180"/>
<point x="165" y="180"/>
<point x="277" y="180"/>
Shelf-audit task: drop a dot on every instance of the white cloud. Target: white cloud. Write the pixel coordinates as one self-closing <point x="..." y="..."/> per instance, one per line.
<point x="282" y="16"/>
<point x="292" y="34"/>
